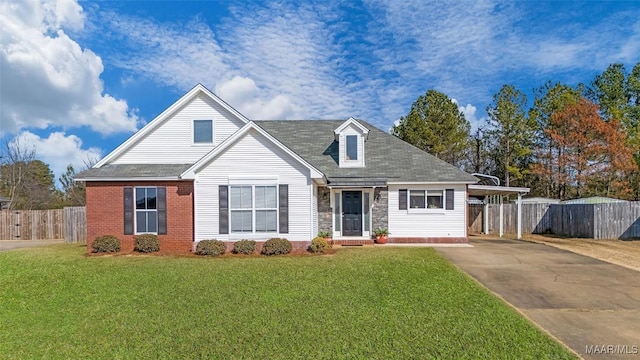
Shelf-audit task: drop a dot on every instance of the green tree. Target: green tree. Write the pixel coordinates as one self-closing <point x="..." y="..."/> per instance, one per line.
<point x="608" y="90"/>
<point x="435" y="125"/>
<point x="512" y="132"/>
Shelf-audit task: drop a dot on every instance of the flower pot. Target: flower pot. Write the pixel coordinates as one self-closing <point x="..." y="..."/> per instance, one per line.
<point x="381" y="239"/>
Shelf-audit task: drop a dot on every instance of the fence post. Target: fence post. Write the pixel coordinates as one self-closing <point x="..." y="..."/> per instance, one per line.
<point x="519" y="224"/>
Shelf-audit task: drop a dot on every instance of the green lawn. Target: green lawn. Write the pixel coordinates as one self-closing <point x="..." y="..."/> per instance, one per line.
<point x="359" y="303"/>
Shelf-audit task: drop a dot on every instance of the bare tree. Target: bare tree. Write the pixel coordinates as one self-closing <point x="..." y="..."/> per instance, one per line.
<point x="14" y="166"/>
<point x="75" y="191"/>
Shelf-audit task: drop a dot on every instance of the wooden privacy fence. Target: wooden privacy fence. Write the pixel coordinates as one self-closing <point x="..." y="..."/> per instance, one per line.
<point x="69" y="224"/>
<point x="596" y="221"/>
<point x="75" y="224"/>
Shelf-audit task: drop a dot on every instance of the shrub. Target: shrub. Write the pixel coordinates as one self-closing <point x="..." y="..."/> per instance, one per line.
<point x="146" y="243"/>
<point x="319" y="245"/>
<point x="276" y="246"/>
<point x="246" y="247"/>
<point x="211" y="247"/>
<point x="106" y="244"/>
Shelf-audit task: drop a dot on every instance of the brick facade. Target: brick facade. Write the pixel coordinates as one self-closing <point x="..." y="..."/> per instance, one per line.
<point x="105" y="213"/>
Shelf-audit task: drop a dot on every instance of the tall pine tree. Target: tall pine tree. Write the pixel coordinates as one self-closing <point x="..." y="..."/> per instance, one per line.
<point x="435" y="125"/>
<point x="512" y="131"/>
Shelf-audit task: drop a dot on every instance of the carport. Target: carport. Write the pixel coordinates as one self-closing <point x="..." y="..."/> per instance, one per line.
<point x="489" y="190"/>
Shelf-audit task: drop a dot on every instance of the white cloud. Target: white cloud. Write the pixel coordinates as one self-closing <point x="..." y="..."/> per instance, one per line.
<point x="243" y="94"/>
<point x="469" y="112"/>
<point x="276" y="61"/>
<point x="47" y="78"/>
<point x="58" y="150"/>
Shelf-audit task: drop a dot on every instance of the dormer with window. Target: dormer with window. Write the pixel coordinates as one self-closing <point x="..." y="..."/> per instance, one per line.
<point x="351" y="136"/>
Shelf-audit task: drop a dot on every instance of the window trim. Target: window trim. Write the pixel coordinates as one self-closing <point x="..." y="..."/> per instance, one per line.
<point x="254" y="209"/>
<point x="193" y="133"/>
<point x="136" y="210"/>
<point x="426" y="209"/>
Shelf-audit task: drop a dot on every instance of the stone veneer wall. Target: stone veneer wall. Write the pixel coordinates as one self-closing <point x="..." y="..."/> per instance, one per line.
<point x="380" y="212"/>
<point x="324" y="210"/>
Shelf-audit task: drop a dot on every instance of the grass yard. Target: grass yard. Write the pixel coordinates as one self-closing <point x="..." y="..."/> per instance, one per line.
<point x="367" y="303"/>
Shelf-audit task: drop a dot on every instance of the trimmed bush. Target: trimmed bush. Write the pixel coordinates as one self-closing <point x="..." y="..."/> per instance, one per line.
<point x="106" y="244"/>
<point x="211" y="247"/>
<point x="276" y="246"/>
<point x="319" y="245"/>
<point x="146" y="243"/>
<point x="246" y="247"/>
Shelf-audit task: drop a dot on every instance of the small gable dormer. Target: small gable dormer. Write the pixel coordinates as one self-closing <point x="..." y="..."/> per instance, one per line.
<point x="351" y="136"/>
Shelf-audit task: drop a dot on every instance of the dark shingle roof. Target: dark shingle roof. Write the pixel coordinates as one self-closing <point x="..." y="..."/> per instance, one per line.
<point x="115" y="171"/>
<point x="386" y="157"/>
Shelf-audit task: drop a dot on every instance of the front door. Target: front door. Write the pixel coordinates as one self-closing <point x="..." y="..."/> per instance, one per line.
<point x="352" y="213"/>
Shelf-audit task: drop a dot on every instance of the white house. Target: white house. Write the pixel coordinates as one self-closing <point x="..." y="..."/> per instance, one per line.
<point x="201" y="170"/>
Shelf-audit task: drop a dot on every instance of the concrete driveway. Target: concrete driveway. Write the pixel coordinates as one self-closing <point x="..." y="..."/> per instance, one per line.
<point x="19" y="244"/>
<point x="583" y="302"/>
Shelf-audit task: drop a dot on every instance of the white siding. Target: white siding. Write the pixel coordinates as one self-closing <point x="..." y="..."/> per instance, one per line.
<point x="342" y="143"/>
<point x="253" y="155"/>
<point x="446" y="223"/>
<point x="172" y="141"/>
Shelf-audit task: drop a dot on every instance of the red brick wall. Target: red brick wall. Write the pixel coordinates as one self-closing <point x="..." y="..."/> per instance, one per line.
<point x="105" y="213"/>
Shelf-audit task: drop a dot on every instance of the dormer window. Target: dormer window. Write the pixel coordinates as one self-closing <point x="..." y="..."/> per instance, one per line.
<point x="352" y="147"/>
<point x="351" y="137"/>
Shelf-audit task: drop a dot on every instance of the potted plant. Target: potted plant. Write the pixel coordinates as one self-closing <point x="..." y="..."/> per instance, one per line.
<point x="382" y="235"/>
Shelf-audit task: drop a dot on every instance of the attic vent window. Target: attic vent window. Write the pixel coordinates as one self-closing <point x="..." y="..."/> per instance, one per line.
<point x="352" y="147"/>
<point x="203" y="131"/>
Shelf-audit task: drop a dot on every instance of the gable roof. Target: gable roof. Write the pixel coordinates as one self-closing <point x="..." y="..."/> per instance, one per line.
<point x="350" y="121"/>
<point x="153" y="124"/>
<point x="387" y="157"/>
<point x="192" y="170"/>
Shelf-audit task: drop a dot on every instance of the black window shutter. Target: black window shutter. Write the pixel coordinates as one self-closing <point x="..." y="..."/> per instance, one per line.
<point x="449" y="199"/>
<point x="402" y="199"/>
<point x="284" y="209"/>
<point x="162" y="210"/>
<point x="223" y="214"/>
<point x="128" y="210"/>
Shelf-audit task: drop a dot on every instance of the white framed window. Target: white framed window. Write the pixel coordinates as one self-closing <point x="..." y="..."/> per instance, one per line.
<point x="253" y="208"/>
<point x="146" y="210"/>
<point x="426" y="199"/>
<point x="202" y="132"/>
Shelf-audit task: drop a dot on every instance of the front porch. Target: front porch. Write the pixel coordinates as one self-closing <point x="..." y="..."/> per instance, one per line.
<point x="351" y="214"/>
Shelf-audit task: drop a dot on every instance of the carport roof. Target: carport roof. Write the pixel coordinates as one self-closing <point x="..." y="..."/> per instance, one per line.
<point x="488" y="190"/>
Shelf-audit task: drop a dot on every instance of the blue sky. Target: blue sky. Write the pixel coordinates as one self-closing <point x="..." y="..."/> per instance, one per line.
<point x="77" y="79"/>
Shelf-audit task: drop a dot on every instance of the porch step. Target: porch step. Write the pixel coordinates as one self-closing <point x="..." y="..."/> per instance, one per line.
<point x="353" y="242"/>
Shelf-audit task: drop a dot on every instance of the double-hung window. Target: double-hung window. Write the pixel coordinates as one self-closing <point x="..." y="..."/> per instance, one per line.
<point x="146" y="210"/>
<point x="266" y="207"/>
<point x="253" y="208"/>
<point x="426" y="199"/>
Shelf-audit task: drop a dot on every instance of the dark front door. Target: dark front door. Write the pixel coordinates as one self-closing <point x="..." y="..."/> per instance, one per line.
<point x="352" y="213"/>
